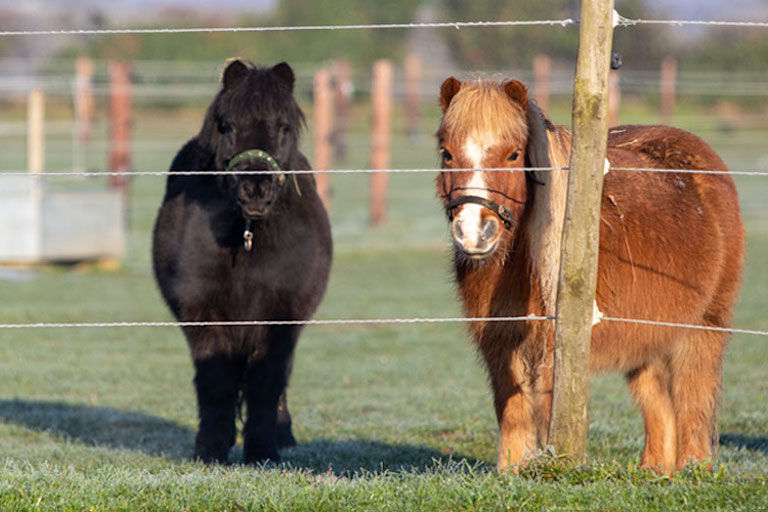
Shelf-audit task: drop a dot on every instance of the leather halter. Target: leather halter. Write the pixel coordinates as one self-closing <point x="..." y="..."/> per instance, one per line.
<point x="503" y="213"/>
<point x="258" y="154"/>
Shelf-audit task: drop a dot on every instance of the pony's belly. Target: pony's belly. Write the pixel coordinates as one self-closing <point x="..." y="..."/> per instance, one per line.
<point x="622" y="347"/>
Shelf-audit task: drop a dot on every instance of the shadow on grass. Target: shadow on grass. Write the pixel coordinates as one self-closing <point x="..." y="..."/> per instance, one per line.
<point x="102" y="426"/>
<point x="126" y="430"/>
<point x="360" y="457"/>
<point x="751" y="443"/>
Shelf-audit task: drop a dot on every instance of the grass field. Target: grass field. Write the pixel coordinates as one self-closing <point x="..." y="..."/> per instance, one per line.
<point x="387" y="418"/>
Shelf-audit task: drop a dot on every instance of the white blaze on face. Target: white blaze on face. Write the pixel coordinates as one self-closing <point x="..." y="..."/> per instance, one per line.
<point x="470" y="214"/>
<point x="474" y="150"/>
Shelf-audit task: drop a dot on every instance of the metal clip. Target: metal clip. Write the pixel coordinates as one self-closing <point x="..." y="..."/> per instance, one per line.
<point x="248" y="236"/>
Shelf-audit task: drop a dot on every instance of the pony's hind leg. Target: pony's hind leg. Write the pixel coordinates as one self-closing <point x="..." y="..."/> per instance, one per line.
<point x="217" y="381"/>
<point x="696" y="379"/>
<point x="285" y="437"/>
<point x="650" y="387"/>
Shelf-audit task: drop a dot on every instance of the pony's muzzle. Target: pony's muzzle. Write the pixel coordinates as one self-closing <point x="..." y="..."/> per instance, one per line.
<point x="474" y="233"/>
<point x="256" y="197"/>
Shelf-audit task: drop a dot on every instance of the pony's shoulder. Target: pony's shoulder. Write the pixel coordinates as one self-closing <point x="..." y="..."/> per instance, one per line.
<point x="192" y="156"/>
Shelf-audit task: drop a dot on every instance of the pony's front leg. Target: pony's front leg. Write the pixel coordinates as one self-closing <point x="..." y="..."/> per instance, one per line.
<point x="513" y="400"/>
<point x="542" y="401"/>
<point x="217" y="386"/>
<point x="284" y="436"/>
<point x="266" y="379"/>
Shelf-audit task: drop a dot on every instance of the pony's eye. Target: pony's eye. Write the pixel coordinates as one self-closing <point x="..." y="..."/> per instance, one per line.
<point x="223" y="126"/>
<point x="514" y="156"/>
<point x="447" y="156"/>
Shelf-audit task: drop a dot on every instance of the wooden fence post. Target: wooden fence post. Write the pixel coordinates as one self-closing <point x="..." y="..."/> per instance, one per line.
<point x="83" y="98"/>
<point x="323" y="108"/>
<point x="381" y="99"/>
<point x="413" y="71"/>
<point x="542" y="72"/>
<point x="667" y="88"/>
<point x="120" y="115"/>
<point x="343" y="90"/>
<point x="36" y="131"/>
<point x="578" y="261"/>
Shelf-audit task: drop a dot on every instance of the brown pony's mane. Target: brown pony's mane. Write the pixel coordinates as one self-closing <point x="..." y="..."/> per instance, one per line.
<point x="483" y="106"/>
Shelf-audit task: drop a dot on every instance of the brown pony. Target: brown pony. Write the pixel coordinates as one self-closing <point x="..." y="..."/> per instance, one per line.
<point x="671" y="249"/>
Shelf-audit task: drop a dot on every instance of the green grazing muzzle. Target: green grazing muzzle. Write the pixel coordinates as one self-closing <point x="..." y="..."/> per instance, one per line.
<point x="271" y="162"/>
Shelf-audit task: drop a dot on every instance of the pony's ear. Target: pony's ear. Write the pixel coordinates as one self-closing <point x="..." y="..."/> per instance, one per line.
<point x="285" y="74"/>
<point x="517" y="92"/>
<point x="447" y="91"/>
<point x="235" y="71"/>
<point x="537" y="149"/>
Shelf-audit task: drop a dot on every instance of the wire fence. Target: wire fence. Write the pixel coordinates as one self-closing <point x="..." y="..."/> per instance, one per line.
<point x="94" y="174"/>
<point x="620" y="21"/>
<point x="365" y="321"/>
<point x="375" y="26"/>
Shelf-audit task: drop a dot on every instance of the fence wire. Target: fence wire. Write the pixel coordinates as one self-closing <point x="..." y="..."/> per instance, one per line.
<point x="362" y="321"/>
<point x="621" y="21"/>
<point x="685" y="326"/>
<point x="256" y="323"/>
<point x="87" y="174"/>
<point x="629" y="22"/>
<point x="450" y="24"/>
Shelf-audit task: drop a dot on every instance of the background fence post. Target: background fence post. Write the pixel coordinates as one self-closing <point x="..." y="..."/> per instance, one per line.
<point x="83" y="110"/>
<point x="343" y="89"/>
<point x="667" y="88"/>
<point x="578" y="263"/>
<point x="542" y="73"/>
<point x="413" y="70"/>
<point x="120" y="115"/>
<point x="84" y="97"/>
<point x="323" y="110"/>
<point x="614" y="97"/>
<point x="381" y="101"/>
<point x="36" y="131"/>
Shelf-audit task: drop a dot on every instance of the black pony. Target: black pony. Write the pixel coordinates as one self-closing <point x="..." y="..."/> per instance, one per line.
<point x="239" y="247"/>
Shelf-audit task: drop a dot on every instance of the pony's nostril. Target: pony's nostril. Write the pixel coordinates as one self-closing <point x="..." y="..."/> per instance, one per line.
<point x="458" y="233"/>
<point x="489" y="229"/>
<point x="247" y="191"/>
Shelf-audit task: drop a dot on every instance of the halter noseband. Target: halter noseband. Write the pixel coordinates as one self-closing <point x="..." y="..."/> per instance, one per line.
<point x="503" y="212"/>
<point x="257" y="154"/>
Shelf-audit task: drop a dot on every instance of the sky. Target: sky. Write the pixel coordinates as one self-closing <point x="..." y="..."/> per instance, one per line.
<point x="714" y="9"/>
<point x="687" y="9"/>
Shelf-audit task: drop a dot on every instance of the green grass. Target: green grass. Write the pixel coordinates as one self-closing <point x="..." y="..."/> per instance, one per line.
<point x="387" y="417"/>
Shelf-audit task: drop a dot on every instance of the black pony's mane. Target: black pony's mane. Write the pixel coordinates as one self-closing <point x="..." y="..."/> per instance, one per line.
<point x="260" y="95"/>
